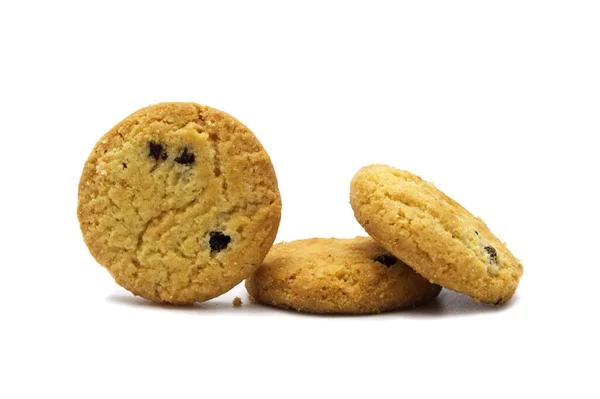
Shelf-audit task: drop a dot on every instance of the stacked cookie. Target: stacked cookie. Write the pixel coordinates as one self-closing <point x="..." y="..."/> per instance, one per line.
<point x="352" y="276"/>
<point x="180" y="203"/>
<point x="420" y="240"/>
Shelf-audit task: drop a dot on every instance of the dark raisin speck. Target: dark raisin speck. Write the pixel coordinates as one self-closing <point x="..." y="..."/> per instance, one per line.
<point x="498" y="302"/>
<point x="476" y="232"/>
<point x="492" y="253"/>
<point x="156" y="150"/>
<point x="386" y="259"/>
<point x="124" y="165"/>
<point x="185" y="157"/>
<point x="218" y="241"/>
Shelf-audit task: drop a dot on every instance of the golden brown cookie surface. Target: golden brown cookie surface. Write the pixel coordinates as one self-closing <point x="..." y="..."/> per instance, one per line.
<point x="351" y="276"/>
<point x="179" y="202"/>
<point x="433" y="234"/>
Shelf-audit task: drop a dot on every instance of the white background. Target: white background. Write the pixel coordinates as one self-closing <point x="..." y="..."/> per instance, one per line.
<point x="497" y="103"/>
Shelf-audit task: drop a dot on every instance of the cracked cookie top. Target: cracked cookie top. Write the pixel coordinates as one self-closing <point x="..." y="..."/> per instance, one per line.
<point x="433" y="234"/>
<point x="334" y="275"/>
<point x="179" y="202"/>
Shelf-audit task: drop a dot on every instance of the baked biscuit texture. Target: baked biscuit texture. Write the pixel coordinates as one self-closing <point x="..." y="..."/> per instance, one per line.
<point x="344" y="276"/>
<point x="179" y="202"/>
<point x="433" y="234"/>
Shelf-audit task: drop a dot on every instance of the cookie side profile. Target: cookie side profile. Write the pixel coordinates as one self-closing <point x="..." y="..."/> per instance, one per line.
<point x="433" y="234"/>
<point x="179" y="202"/>
<point x="343" y="276"/>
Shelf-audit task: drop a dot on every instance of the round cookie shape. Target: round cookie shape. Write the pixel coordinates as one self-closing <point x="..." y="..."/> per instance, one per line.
<point x="433" y="234"/>
<point x="340" y="276"/>
<point x="179" y="202"/>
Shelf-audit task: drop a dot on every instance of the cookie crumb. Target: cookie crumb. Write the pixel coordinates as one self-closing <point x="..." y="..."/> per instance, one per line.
<point x="237" y="302"/>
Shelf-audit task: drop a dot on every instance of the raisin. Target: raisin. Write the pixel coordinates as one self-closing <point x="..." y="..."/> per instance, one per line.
<point x="185" y="157"/>
<point x="218" y="241"/>
<point x="492" y="253"/>
<point x="156" y="150"/>
<point x="124" y="165"/>
<point x="386" y="259"/>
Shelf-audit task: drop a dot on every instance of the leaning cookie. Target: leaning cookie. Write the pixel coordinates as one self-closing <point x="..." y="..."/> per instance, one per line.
<point x="344" y="276"/>
<point x="433" y="234"/>
<point x="179" y="202"/>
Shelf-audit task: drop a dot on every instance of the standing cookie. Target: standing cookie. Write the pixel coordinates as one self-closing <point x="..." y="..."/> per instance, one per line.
<point x="179" y="202"/>
<point x="433" y="234"/>
<point x="351" y="276"/>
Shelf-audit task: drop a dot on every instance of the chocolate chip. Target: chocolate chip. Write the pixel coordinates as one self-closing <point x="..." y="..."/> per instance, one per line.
<point x="185" y="157"/>
<point x="156" y="150"/>
<point x="218" y="241"/>
<point x="386" y="259"/>
<point x="492" y="253"/>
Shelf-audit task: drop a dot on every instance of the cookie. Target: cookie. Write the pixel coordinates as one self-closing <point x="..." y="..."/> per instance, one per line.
<point x="433" y="234"/>
<point x="351" y="276"/>
<point x="179" y="202"/>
